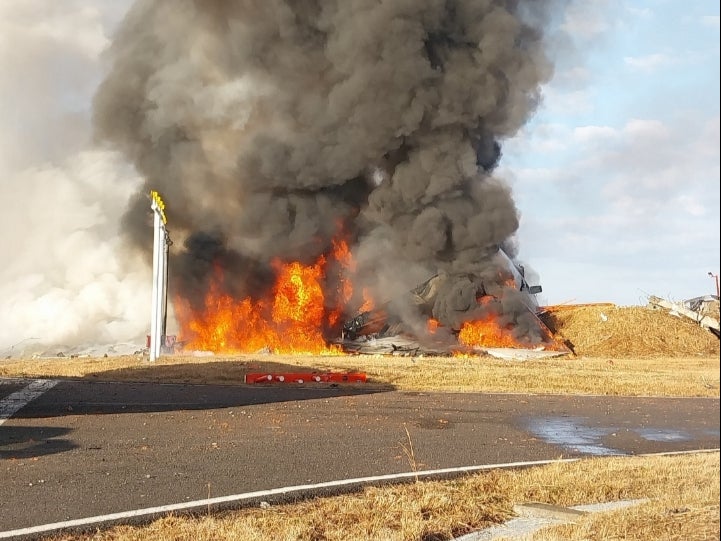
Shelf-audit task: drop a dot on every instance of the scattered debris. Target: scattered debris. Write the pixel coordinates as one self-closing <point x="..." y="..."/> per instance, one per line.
<point x="708" y="305"/>
<point x="38" y="350"/>
<point x="306" y="377"/>
<point x="484" y="316"/>
<point x="398" y="345"/>
<point x="518" y="354"/>
<point x="684" y="309"/>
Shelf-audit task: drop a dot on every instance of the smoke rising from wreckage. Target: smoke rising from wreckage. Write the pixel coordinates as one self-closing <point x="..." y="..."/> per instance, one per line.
<point x="277" y="129"/>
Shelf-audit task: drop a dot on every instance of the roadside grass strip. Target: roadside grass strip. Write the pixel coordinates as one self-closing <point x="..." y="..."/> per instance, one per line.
<point x="259" y="497"/>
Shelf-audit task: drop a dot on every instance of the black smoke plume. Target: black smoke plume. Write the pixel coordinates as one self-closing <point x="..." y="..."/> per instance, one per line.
<point x="265" y="124"/>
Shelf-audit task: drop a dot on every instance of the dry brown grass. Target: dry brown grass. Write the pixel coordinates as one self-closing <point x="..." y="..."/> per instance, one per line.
<point x="634" y="331"/>
<point x="617" y="351"/>
<point x="651" y="376"/>
<point x="682" y="506"/>
<point x="683" y="493"/>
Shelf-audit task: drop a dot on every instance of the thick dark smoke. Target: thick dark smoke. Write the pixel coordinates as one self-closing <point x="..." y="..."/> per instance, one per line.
<point x="266" y="124"/>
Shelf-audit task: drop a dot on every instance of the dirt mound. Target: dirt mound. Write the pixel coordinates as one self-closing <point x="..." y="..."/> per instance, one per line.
<point x="606" y="330"/>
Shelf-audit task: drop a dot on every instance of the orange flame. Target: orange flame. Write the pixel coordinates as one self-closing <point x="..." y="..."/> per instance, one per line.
<point x="300" y="309"/>
<point x="292" y="320"/>
<point x="487" y="332"/>
<point x="342" y="255"/>
<point x="368" y="302"/>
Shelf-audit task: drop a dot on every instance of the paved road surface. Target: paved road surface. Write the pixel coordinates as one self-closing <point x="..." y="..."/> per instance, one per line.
<point x="89" y="448"/>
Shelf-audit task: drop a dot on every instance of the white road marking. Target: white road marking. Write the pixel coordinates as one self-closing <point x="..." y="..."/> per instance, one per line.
<point x="205" y="504"/>
<point x="12" y="403"/>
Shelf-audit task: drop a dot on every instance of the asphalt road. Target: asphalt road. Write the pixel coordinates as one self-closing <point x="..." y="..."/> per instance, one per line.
<point x="89" y="448"/>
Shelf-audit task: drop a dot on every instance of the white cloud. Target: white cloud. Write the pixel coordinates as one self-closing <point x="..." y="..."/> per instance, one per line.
<point x="639" y="12"/>
<point x="593" y="134"/>
<point x="623" y="199"/>
<point x="650" y="62"/>
<point x="531" y="176"/>
<point x="545" y="138"/>
<point x="690" y="204"/>
<point x="651" y="165"/>
<point x="561" y="101"/>
<point x="645" y="192"/>
<point x="587" y="20"/>
<point x="710" y="20"/>
<point x="646" y="129"/>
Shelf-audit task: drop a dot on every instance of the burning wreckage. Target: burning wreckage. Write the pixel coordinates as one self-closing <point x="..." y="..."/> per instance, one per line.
<point x="304" y="311"/>
<point x="479" y="322"/>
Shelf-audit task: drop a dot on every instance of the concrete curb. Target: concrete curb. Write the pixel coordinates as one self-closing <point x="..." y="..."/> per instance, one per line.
<point x="545" y="510"/>
<point x="535" y="516"/>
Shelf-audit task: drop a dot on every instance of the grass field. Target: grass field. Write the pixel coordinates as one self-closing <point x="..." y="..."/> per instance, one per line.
<point x="647" y="376"/>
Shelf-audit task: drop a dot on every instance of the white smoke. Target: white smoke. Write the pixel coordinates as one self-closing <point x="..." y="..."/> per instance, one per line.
<point x="63" y="280"/>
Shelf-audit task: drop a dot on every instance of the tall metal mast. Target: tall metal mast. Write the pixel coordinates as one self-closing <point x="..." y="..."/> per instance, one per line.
<point x="158" y="309"/>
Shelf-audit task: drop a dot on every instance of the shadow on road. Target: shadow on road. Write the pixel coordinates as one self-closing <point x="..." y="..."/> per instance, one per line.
<point x="21" y="442"/>
<point x="227" y="372"/>
<point x="146" y="389"/>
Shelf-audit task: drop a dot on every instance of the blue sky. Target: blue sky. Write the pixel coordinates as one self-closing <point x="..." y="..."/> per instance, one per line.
<point x="616" y="176"/>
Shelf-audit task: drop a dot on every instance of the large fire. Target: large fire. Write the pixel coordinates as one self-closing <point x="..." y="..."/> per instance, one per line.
<point x="490" y="332"/>
<point x="292" y="320"/>
<point x="300" y="313"/>
<point x="487" y="332"/>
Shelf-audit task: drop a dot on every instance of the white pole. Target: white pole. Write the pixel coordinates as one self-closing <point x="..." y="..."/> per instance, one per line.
<point x="162" y="262"/>
<point x="156" y="309"/>
<point x="164" y="289"/>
